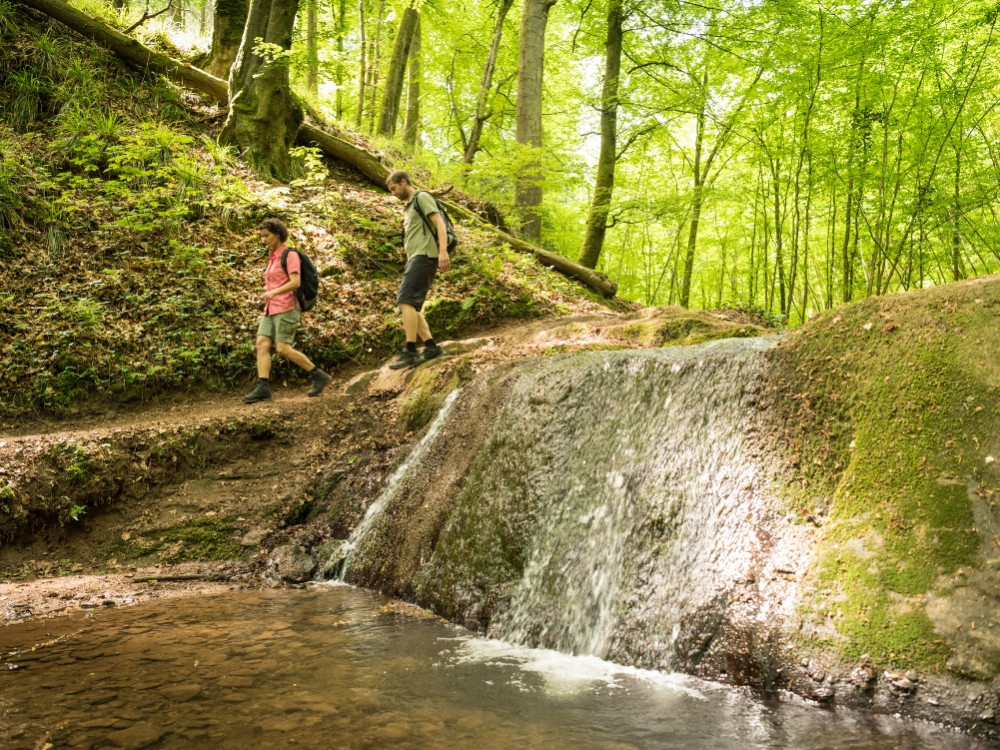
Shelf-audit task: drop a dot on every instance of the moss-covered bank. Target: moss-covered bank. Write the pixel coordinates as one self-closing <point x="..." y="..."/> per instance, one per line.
<point x="886" y="414"/>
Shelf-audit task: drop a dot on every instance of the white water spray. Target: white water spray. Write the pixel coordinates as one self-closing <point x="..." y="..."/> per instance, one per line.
<point x="340" y="561"/>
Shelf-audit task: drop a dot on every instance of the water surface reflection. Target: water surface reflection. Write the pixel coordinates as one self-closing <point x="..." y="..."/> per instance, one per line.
<point x="336" y="667"/>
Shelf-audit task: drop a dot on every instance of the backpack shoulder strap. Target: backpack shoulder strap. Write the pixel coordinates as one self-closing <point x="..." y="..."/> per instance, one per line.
<point x="416" y="205"/>
<point x="284" y="259"/>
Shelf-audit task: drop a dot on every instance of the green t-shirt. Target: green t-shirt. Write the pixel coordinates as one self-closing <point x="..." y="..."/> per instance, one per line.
<point x="417" y="236"/>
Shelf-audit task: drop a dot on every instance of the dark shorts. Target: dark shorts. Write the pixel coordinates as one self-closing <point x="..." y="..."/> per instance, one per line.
<point x="420" y="272"/>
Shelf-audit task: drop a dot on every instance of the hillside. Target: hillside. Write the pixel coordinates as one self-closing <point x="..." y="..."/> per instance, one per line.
<point x="129" y="264"/>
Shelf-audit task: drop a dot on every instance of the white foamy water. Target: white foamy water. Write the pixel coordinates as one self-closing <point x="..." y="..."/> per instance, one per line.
<point x="562" y="674"/>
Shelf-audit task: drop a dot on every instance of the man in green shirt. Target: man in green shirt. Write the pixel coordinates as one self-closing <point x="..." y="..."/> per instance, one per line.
<point x="426" y="254"/>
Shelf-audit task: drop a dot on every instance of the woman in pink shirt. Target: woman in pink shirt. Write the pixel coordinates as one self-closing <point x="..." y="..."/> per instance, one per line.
<point x="281" y="315"/>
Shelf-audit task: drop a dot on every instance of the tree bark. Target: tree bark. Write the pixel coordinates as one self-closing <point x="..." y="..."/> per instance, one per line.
<point x="362" y="70"/>
<point x="604" y="185"/>
<point x="389" y="113"/>
<point x="696" y="198"/>
<point x="531" y="62"/>
<point x="340" y="76"/>
<point x="264" y="117"/>
<point x="312" y="48"/>
<point x="487" y="84"/>
<point x="411" y="126"/>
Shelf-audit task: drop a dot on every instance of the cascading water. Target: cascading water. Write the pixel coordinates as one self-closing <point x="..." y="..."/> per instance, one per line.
<point x="339" y="562"/>
<point x="612" y="506"/>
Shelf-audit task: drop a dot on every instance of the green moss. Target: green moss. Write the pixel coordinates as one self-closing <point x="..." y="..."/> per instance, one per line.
<point x="885" y="413"/>
<point x="427" y="391"/>
<point x="204" y="539"/>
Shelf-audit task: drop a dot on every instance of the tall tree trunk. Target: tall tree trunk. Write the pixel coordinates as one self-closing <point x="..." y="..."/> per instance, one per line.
<point x="697" y="197"/>
<point x="362" y="66"/>
<point x="604" y="185"/>
<point x="411" y="125"/>
<point x="397" y="72"/>
<point x="312" y="48"/>
<point x="530" y="66"/>
<point x="375" y="66"/>
<point x="177" y="13"/>
<point x="227" y="34"/>
<point x="340" y="77"/>
<point x="264" y="117"/>
<point x="486" y="87"/>
<point x="957" y="268"/>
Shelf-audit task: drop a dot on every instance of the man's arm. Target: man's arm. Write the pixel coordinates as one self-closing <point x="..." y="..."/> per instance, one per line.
<point x="444" y="262"/>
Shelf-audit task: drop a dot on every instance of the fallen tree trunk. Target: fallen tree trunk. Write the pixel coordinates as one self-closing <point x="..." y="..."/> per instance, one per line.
<point x="130" y="49"/>
<point x="364" y="161"/>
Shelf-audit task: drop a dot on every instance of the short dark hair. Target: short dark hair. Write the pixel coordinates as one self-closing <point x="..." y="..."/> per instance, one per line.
<point x="275" y="226"/>
<point x="398" y="176"/>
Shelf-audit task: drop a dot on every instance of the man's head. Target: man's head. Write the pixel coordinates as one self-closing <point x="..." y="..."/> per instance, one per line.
<point x="399" y="185"/>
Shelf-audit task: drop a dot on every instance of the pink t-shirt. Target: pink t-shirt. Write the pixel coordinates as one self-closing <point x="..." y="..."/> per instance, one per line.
<point x="275" y="277"/>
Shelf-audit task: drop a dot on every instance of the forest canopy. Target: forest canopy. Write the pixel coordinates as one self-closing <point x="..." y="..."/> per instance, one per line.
<point x="781" y="156"/>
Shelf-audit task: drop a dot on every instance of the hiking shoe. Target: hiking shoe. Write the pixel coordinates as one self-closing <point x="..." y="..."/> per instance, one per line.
<point x="431" y="352"/>
<point x="260" y="392"/>
<point x="320" y="381"/>
<point x="406" y="358"/>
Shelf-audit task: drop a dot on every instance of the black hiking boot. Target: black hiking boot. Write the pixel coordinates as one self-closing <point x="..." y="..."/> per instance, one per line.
<point x="320" y="381"/>
<point x="406" y="358"/>
<point x="260" y="392"/>
<point x="430" y="352"/>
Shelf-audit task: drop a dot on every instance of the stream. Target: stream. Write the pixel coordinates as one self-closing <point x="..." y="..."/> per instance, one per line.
<point x="332" y="666"/>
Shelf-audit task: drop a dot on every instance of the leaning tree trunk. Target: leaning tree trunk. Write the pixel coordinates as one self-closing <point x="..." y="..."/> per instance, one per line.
<point x="397" y="72"/>
<point x="597" y="220"/>
<point x="485" y="89"/>
<point x="264" y="117"/>
<point x="411" y="126"/>
<point x="227" y="34"/>
<point x="529" y="111"/>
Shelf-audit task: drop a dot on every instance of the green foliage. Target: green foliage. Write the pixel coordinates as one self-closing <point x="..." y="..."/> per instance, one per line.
<point x="29" y="88"/>
<point x="8" y="18"/>
<point x="307" y="165"/>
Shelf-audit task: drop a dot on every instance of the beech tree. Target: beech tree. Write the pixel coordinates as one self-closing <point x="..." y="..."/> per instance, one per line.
<point x="397" y="70"/>
<point x="230" y="18"/>
<point x="604" y="184"/>
<point x="529" y="110"/>
<point x="264" y="116"/>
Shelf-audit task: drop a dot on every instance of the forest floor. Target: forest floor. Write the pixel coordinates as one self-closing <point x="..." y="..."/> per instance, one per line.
<point x="197" y="493"/>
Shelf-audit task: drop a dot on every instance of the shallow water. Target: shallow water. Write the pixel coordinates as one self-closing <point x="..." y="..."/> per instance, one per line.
<point x="338" y="667"/>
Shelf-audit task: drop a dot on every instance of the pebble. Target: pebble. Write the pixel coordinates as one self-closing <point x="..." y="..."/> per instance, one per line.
<point x="136" y="737"/>
<point x="181" y="693"/>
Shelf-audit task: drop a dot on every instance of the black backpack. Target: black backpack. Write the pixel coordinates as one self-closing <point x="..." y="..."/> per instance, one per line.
<point x="308" y="290"/>
<point x="452" y="239"/>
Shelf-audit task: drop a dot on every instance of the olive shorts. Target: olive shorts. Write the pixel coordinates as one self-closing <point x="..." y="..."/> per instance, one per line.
<point x="280" y="328"/>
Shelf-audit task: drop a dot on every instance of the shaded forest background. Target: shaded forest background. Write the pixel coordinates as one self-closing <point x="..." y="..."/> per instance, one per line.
<point x="778" y="156"/>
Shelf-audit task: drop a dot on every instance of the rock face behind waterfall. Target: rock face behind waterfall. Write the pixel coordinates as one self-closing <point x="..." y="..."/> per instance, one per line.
<point x="815" y="514"/>
<point x="609" y="503"/>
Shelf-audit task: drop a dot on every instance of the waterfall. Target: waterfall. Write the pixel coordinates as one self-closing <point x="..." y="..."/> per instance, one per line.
<point x="613" y="504"/>
<point x="339" y="562"/>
